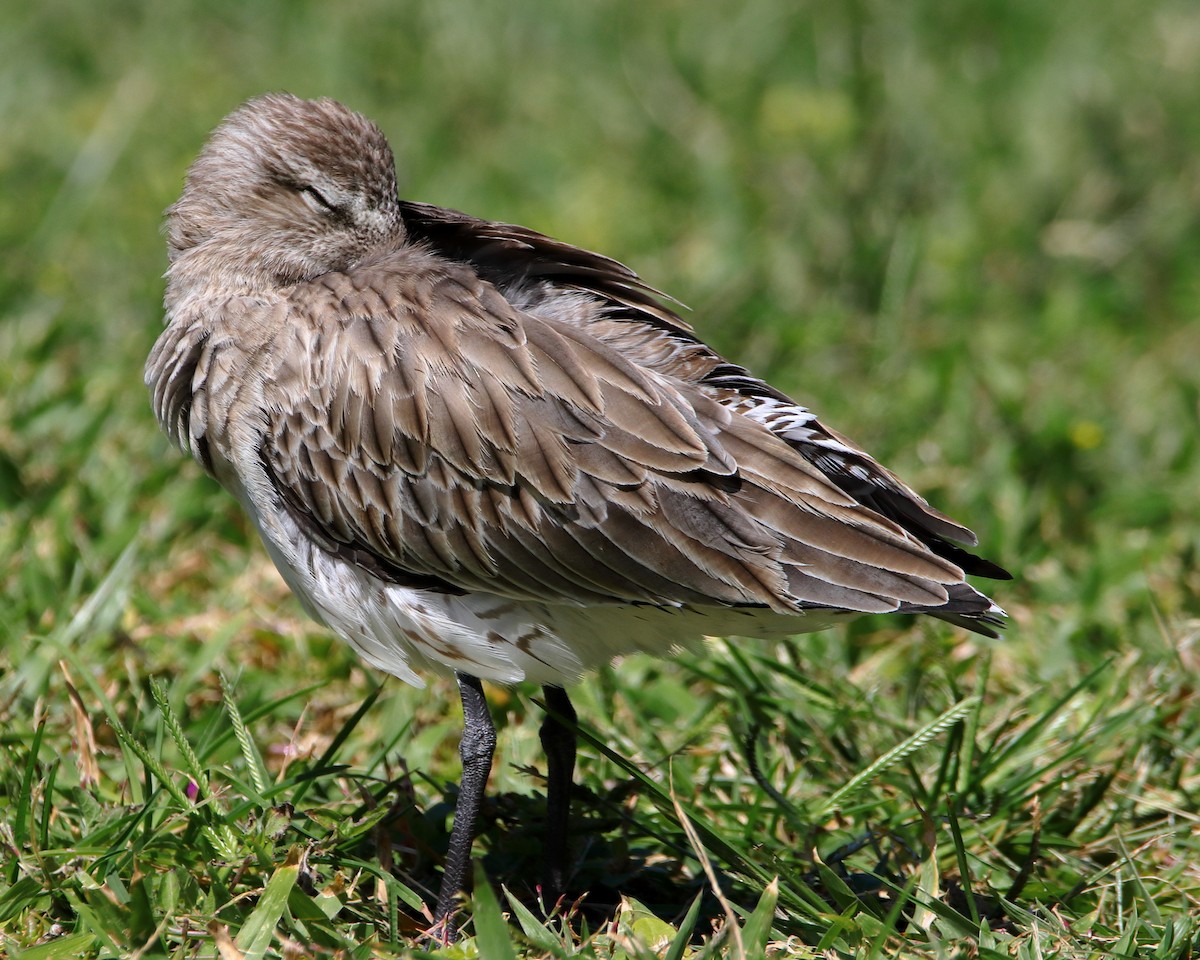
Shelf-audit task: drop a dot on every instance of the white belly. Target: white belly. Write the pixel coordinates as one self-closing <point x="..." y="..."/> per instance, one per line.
<point x="405" y="631"/>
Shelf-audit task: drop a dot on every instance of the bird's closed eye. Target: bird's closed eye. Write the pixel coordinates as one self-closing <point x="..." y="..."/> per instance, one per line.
<point x="321" y="200"/>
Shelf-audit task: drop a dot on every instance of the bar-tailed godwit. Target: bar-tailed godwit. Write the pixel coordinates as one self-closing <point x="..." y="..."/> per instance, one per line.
<point x="471" y="448"/>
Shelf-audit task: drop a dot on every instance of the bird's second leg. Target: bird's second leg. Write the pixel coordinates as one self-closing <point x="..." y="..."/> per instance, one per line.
<point x="558" y="741"/>
<point x="476" y="749"/>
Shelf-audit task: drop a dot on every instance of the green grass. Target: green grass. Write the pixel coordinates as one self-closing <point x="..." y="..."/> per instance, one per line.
<point x="966" y="234"/>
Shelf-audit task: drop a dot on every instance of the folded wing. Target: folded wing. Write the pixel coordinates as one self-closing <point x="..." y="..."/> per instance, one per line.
<point x="424" y="427"/>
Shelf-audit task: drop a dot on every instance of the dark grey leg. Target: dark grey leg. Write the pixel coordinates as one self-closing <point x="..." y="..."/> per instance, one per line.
<point x="478" y="744"/>
<point x="558" y="740"/>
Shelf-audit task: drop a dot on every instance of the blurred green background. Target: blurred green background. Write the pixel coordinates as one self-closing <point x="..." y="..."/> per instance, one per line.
<point x="968" y="235"/>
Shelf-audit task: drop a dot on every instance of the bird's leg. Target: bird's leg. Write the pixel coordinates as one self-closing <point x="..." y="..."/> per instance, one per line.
<point x="558" y="740"/>
<point x="478" y="744"/>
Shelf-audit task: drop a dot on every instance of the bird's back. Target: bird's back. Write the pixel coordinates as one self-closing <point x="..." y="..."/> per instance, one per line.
<point x="549" y="277"/>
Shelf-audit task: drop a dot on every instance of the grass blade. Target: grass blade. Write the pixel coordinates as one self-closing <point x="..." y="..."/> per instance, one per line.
<point x="259" y="929"/>
<point x="897" y="754"/>
<point x="250" y="754"/>
<point x="492" y="934"/>
<point x="757" y="930"/>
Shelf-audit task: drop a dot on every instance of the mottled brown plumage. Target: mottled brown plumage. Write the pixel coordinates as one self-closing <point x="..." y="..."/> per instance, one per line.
<point x="470" y="447"/>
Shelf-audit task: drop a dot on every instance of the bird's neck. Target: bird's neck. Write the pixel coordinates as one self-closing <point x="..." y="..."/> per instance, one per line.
<point x="201" y="273"/>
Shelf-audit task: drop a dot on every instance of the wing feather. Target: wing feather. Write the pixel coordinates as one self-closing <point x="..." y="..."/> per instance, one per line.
<point x="429" y="427"/>
<point x="635" y="318"/>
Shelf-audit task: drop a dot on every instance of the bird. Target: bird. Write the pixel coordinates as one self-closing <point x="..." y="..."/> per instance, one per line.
<point x="472" y="449"/>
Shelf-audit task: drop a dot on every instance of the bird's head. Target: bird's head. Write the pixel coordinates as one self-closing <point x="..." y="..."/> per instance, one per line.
<point x="285" y="190"/>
